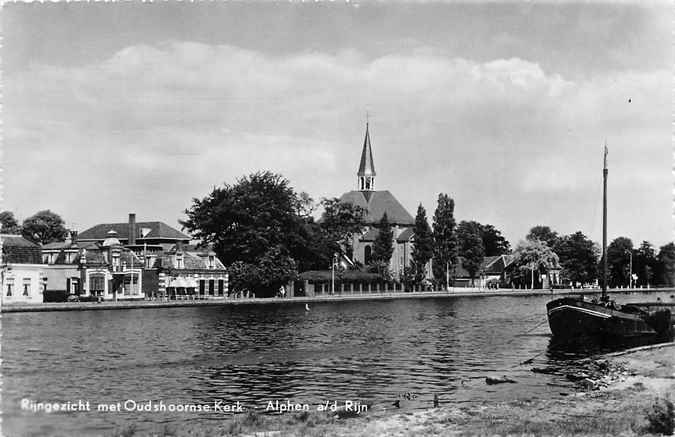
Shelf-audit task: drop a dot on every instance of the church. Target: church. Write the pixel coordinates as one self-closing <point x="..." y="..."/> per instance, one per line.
<point x="376" y="204"/>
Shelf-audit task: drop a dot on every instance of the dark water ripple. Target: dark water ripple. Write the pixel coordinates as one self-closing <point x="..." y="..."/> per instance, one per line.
<point x="367" y="351"/>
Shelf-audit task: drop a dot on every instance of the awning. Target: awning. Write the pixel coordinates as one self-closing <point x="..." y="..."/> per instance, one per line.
<point x="183" y="282"/>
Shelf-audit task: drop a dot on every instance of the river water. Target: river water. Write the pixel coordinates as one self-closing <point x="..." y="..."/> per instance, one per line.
<point x="373" y="352"/>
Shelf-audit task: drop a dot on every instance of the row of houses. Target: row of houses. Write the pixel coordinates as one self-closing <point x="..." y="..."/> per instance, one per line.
<point x="111" y="261"/>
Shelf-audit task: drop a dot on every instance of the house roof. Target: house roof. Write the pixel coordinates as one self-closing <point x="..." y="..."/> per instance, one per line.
<point x="158" y="230"/>
<point x="191" y="260"/>
<point x="57" y="245"/>
<point x="366" y="166"/>
<point x="406" y="235"/>
<point x="376" y="203"/>
<point x="16" y="249"/>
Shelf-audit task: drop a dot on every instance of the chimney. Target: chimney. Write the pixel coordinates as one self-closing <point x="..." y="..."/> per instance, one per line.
<point x="132" y="229"/>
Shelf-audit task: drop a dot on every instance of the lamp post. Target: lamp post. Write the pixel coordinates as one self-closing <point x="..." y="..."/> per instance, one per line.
<point x="332" y="274"/>
<point x="630" y="268"/>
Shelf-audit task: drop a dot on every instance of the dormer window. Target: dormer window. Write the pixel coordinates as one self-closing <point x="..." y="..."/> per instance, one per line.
<point x="179" y="261"/>
<point x="212" y="262"/>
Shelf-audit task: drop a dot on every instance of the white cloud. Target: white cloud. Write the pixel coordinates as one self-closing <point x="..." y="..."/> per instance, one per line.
<point x="186" y="116"/>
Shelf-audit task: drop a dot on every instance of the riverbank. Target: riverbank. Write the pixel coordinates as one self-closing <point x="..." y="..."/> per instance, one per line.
<point x="632" y="402"/>
<point x="457" y="292"/>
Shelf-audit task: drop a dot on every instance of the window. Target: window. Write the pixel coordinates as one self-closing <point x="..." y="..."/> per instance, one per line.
<point x="179" y="261"/>
<point x="220" y="287"/>
<point x="212" y="262"/>
<point x="69" y="258"/>
<point x="97" y="285"/>
<point x="211" y="286"/>
<point x="10" y="288"/>
<point x="26" y="286"/>
<point x="368" y="253"/>
<point x="116" y="262"/>
<point x="202" y="286"/>
<point x="45" y="258"/>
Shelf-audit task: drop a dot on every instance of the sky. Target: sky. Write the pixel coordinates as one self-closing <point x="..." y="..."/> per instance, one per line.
<point x="112" y="108"/>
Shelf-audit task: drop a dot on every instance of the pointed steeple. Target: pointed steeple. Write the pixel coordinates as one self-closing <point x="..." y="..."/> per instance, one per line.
<point x="366" y="173"/>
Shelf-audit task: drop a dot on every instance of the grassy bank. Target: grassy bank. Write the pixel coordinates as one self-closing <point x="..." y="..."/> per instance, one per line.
<point x="634" y="400"/>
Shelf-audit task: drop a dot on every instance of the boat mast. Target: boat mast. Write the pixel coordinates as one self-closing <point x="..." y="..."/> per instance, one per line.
<point x="604" y="226"/>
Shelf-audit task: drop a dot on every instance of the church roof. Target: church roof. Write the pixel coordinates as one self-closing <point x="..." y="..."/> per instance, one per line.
<point x="376" y="203"/>
<point x="367" y="166"/>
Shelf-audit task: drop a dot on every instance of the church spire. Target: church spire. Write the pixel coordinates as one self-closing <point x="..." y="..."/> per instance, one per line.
<point x="366" y="173"/>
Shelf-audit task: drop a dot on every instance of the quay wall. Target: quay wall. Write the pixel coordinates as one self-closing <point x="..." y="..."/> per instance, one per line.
<point x="384" y="295"/>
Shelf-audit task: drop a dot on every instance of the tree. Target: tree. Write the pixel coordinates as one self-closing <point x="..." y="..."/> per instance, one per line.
<point x="666" y="265"/>
<point x="383" y="246"/>
<point x="340" y="221"/>
<point x="545" y="234"/>
<point x="618" y="258"/>
<point x="445" y="240"/>
<point x="44" y="227"/>
<point x="534" y="256"/>
<point x="493" y="241"/>
<point x="644" y="264"/>
<point x="9" y="223"/>
<point x="423" y="245"/>
<point x="578" y="258"/>
<point x="274" y="269"/>
<point x="244" y="220"/>
<point x="470" y="245"/>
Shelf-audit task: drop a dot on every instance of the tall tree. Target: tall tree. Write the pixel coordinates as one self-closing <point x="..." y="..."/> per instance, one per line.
<point x="264" y="225"/>
<point x="545" y="234"/>
<point x="644" y="264"/>
<point x="9" y="223"/>
<point x="423" y="245"/>
<point x="579" y="258"/>
<point x="244" y="220"/>
<point x="383" y="247"/>
<point x="493" y="241"/>
<point x="618" y="259"/>
<point x="470" y="245"/>
<point x="666" y="265"/>
<point x="445" y="240"/>
<point x="44" y="227"/>
<point x="534" y="258"/>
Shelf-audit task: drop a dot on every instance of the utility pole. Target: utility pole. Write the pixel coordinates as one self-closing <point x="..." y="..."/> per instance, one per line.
<point x="447" y="276"/>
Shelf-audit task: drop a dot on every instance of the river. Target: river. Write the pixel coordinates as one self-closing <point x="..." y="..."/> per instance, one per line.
<point x="367" y="351"/>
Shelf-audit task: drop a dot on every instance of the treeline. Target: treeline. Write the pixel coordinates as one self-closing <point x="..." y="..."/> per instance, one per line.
<point x="265" y="232"/>
<point x="579" y="260"/>
<point x="42" y="227"/>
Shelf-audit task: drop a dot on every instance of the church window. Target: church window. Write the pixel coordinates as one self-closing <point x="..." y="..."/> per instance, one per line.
<point x="368" y="254"/>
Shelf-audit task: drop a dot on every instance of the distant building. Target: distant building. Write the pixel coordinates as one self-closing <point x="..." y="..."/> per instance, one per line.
<point x="376" y="204"/>
<point x="188" y="272"/>
<point x="22" y="276"/>
<point x="133" y="260"/>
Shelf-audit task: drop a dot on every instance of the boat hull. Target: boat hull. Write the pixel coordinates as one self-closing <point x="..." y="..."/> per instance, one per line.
<point x="572" y="319"/>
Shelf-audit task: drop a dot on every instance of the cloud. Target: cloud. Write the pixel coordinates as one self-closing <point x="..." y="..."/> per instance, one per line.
<point x="154" y="125"/>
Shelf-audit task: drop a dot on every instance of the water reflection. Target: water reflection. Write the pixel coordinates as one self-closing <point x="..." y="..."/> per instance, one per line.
<point x="368" y="351"/>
